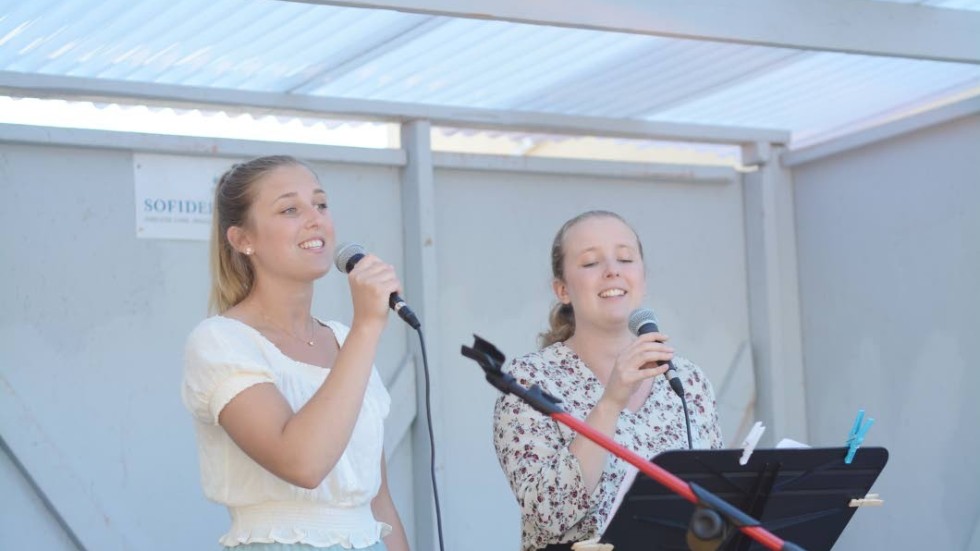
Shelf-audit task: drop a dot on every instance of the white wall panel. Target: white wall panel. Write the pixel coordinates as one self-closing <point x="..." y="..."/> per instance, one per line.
<point x="23" y="515"/>
<point x="889" y="253"/>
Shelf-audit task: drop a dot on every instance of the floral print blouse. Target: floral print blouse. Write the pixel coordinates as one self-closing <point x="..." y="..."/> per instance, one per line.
<point x="543" y="473"/>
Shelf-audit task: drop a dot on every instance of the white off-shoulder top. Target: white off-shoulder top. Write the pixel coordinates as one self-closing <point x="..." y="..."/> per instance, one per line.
<point x="223" y="357"/>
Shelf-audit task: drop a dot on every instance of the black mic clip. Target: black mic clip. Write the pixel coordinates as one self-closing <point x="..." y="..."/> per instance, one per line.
<point x="492" y="360"/>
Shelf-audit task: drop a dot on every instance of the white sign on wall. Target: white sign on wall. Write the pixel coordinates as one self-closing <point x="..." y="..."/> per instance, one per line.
<point x="174" y="195"/>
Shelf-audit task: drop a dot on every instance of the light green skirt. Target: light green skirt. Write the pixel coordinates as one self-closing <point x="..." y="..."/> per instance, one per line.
<point x="380" y="546"/>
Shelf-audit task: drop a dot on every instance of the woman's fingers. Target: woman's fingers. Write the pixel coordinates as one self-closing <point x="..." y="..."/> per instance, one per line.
<point x="372" y="281"/>
<point x="372" y="271"/>
<point x="644" y="358"/>
<point x="637" y="375"/>
<point x="642" y="353"/>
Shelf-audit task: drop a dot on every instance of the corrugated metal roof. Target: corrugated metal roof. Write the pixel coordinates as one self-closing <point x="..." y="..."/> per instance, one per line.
<point x="327" y="51"/>
<point x="817" y="93"/>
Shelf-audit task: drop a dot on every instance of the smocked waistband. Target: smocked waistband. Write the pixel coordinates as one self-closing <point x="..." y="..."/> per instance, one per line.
<point x="300" y="522"/>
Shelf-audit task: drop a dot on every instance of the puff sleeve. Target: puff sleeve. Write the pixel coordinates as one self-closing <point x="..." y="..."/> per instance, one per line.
<point x="217" y="367"/>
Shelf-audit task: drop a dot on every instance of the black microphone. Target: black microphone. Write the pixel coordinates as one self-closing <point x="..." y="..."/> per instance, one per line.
<point x="348" y="255"/>
<point x="643" y="321"/>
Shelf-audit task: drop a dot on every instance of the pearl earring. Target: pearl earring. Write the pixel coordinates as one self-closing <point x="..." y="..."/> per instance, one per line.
<point x="248" y="251"/>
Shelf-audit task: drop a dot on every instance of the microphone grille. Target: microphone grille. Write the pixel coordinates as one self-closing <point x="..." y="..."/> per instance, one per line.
<point x="639" y="317"/>
<point x="344" y="253"/>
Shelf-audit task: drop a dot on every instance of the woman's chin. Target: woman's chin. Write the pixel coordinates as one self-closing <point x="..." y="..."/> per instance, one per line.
<point x="311" y="273"/>
<point x="320" y="272"/>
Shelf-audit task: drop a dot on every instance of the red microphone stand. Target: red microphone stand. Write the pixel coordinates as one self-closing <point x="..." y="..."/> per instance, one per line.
<point x="492" y="360"/>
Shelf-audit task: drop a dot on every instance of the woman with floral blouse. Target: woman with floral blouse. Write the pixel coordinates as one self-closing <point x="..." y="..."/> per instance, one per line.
<point x="565" y="484"/>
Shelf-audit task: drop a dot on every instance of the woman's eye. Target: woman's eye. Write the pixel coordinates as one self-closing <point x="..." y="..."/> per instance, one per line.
<point x="321" y="206"/>
<point x="589" y="264"/>
<point x="289" y="210"/>
<point x="626" y="260"/>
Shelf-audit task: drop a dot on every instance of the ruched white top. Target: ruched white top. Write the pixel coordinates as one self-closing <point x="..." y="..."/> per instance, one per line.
<point x="224" y="357"/>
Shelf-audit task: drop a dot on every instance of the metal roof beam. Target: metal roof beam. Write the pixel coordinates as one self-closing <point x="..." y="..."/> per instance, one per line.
<point x="848" y="26"/>
<point x="969" y="107"/>
<point x="193" y="145"/>
<point x="36" y="85"/>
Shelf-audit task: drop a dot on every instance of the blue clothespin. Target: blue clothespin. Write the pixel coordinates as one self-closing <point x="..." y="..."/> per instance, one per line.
<point x="856" y="437"/>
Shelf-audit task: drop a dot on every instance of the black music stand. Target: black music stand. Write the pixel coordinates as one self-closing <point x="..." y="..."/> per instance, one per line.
<point x="800" y="495"/>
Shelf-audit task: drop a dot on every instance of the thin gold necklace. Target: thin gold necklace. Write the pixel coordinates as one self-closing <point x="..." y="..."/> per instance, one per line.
<point x="290" y="333"/>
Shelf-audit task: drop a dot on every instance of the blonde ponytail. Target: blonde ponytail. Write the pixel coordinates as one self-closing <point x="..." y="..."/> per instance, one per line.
<point x="561" y="323"/>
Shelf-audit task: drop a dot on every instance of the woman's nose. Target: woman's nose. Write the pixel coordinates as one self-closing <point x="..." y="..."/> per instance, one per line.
<point x="314" y="218"/>
<point x="612" y="269"/>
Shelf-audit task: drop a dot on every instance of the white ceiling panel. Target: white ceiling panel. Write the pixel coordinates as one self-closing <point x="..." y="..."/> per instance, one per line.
<point x="301" y="49"/>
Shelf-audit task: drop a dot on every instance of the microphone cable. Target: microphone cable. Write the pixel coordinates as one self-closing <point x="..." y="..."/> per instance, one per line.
<point x="432" y="445"/>
<point x="687" y="421"/>
<point x="346" y="257"/>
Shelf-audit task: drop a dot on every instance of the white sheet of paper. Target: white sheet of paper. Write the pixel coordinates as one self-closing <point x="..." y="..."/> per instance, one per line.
<point x="790" y="443"/>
